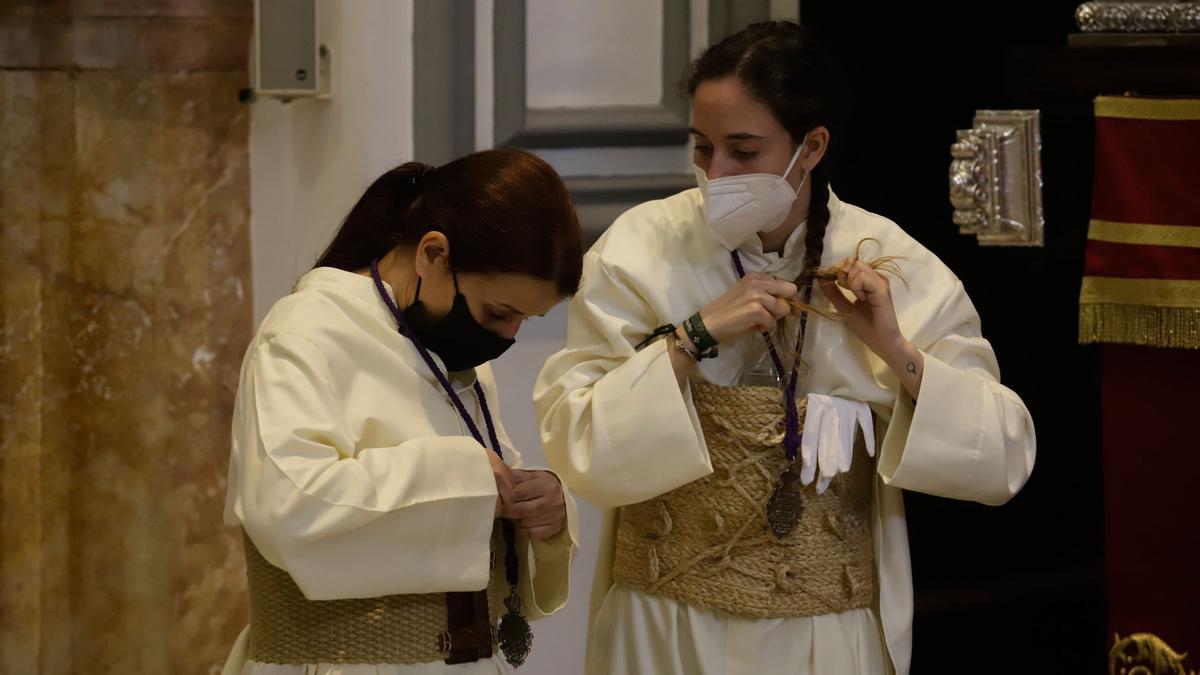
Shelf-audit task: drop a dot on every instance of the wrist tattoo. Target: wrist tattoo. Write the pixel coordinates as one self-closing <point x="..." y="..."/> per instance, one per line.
<point x="911" y="367"/>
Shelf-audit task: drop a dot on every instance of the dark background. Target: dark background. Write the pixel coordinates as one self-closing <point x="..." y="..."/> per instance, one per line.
<point x="1020" y="588"/>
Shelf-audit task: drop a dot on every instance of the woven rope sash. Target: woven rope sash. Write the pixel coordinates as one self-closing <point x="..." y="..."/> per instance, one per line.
<point x="707" y="543"/>
<point x="287" y="628"/>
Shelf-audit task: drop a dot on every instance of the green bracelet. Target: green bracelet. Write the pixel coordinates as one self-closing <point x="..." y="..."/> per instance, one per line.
<point x="706" y="346"/>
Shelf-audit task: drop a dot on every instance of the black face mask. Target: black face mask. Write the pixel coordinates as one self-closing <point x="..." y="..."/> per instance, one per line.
<point x="457" y="337"/>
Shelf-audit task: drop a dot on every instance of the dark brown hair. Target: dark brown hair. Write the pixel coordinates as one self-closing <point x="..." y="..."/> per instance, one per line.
<point x="503" y="211"/>
<point x="781" y="67"/>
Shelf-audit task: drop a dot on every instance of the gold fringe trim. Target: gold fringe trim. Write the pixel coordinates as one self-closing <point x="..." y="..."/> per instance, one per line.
<point x="1138" y="233"/>
<point x="1174" y="327"/>
<point x="1130" y="107"/>
<point x="1183" y="293"/>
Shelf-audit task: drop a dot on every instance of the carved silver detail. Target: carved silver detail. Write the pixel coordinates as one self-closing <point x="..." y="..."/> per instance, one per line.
<point x="1138" y="17"/>
<point x="996" y="178"/>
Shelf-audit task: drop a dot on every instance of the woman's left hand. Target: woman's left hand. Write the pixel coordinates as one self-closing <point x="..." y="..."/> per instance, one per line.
<point x="538" y="505"/>
<point x="871" y="317"/>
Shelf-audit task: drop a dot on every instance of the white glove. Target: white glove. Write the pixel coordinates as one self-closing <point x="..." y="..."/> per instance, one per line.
<point x="827" y="446"/>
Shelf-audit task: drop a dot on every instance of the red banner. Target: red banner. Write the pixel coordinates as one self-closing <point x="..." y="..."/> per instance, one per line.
<point x="1142" y="272"/>
<point x="1141" y="290"/>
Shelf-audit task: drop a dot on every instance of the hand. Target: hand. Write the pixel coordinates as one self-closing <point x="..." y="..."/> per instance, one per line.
<point x="505" y="481"/>
<point x="538" y="505"/>
<point x="755" y="303"/>
<point x="871" y="316"/>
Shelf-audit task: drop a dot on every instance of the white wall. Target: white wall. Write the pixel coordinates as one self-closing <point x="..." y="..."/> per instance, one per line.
<point x="587" y="37"/>
<point x="310" y="160"/>
<point x="607" y="44"/>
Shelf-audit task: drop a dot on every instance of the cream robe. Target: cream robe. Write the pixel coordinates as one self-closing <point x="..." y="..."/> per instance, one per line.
<point x="352" y="471"/>
<point x="618" y="429"/>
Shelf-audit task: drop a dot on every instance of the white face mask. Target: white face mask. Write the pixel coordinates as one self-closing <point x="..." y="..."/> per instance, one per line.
<point x="739" y="207"/>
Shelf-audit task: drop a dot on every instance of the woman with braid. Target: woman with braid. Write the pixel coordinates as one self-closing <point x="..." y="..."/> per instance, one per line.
<point x="747" y="396"/>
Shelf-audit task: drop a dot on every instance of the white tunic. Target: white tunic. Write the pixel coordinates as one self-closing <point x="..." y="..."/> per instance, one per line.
<point x="352" y="471"/>
<point x="619" y="430"/>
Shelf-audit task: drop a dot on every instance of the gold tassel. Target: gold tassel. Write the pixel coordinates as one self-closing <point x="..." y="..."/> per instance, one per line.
<point x="1174" y="327"/>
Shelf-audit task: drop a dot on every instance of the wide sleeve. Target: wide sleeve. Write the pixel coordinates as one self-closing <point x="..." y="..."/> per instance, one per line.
<point x="347" y="521"/>
<point x="615" y="423"/>
<point x="967" y="436"/>
<point x="545" y="582"/>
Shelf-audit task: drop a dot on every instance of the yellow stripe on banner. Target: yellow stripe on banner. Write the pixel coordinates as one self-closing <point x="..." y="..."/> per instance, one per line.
<point x="1148" y="108"/>
<point x="1147" y="235"/>
<point x="1145" y="292"/>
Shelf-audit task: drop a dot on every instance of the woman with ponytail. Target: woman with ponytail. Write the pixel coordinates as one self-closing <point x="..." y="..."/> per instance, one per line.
<point x="390" y="527"/>
<point x="754" y="370"/>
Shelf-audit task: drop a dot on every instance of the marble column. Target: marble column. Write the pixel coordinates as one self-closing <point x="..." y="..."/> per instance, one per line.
<point x="124" y="312"/>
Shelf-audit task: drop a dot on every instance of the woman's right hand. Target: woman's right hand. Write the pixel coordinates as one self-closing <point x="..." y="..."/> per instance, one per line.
<point x="505" y="481"/>
<point x="755" y="303"/>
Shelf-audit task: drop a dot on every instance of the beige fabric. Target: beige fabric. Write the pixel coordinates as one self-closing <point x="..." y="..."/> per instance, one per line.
<point x="640" y="634"/>
<point x="707" y="543"/>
